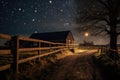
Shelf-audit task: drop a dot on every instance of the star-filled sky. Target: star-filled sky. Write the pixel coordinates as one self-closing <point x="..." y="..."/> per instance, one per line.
<point x="24" y="17"/>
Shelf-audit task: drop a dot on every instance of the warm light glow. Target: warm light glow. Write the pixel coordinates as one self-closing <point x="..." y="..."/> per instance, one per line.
<point x="86" y="34"/>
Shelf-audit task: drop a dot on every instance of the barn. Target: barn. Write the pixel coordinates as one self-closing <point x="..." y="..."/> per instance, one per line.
<point x="60" y="37"/>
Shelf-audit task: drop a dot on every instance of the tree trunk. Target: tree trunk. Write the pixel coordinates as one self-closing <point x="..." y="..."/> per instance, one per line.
<point x="113" y="45"/>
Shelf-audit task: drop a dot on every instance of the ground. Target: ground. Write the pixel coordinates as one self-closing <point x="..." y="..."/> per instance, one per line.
<point x="74" y="67"/>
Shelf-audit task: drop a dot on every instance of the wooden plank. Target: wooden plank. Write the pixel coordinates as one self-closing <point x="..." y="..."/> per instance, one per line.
<point x="35" y="49"/>
<point x="5" y="67"/>
<point x="37" y="56"/>
<point x="32" y="49"/>
<point x="57" y="47"/>
<point x="59" y="43"/>
<point x="39" y="51"/>
<point x="4" y="52"/>
<point x="4" y="36"/>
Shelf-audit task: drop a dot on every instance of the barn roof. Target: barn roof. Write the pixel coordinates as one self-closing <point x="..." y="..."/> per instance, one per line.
<point x="51" y="36"/>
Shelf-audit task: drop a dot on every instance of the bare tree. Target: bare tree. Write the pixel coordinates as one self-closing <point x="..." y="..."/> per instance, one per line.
<point x="99" y="17"/>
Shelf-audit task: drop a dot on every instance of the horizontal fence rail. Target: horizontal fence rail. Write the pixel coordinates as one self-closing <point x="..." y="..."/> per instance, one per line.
<point x="5" y="36"/>
<point x="19" y="45"/>
<point x="37" y="56"/>
<point x="109" y="52"/>
<point x="5" y="67"/>
<point x="3" y="52"/>
<point x="105" y="49"/>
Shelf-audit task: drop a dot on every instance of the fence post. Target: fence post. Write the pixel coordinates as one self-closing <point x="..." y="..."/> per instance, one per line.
<point x="39" y="51"/>
<point x="98" y="50"/>
<point x="50" y="48"/>
<point x="14" y="50"/>
<point x="101" y="50"/>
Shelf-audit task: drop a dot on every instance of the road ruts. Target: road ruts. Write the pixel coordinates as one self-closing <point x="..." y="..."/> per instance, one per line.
<point x="75" y="67"/>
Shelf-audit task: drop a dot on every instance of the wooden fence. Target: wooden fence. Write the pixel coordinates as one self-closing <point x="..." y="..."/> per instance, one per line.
<point x="106" y="50"/>
<point x="15" y="49"/>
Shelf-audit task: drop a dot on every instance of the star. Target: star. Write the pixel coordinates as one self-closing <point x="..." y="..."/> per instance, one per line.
<point x="35" y="11"/>
<point x="35" y="32"/>
<point x="24" y="23"/>
<point x="19" y="9"/>
<point x="66" y="24"/>
<point x="61" y="10"/>
<point x="50" y="2"/>
<point x="33" y="20"/>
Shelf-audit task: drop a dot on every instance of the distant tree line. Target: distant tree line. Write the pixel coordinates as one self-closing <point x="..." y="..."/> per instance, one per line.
<point x="87" y="43"/>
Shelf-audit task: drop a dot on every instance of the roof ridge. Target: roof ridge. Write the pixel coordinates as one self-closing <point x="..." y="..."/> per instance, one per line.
<point x="52" y="32"/>
<point x="59" y="36"/>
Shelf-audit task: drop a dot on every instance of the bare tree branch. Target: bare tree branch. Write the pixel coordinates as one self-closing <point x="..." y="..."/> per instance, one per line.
<point x="104" y="4"/>
<point x="103" y="12"/>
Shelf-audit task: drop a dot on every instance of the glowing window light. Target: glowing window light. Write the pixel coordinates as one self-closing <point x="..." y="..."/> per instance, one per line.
<point x="86" y="34"/>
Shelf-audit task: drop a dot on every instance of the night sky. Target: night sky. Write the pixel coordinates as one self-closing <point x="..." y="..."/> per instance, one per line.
<point x="24" y="17"/>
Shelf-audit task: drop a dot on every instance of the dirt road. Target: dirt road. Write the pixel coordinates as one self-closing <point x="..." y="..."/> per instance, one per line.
<point x="75" y="67"/>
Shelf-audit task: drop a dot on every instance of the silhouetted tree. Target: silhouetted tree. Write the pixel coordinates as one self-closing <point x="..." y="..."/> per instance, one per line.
<point x="99" y="17"/>
<point x="88" y="43"/>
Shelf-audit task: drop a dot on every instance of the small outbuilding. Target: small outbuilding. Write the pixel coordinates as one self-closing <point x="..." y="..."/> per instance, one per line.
<point x="60" y="37"/>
